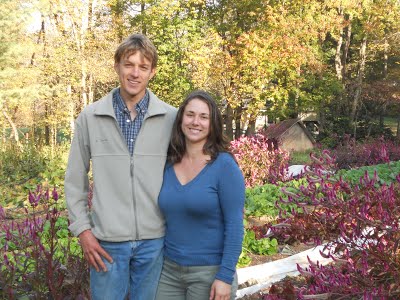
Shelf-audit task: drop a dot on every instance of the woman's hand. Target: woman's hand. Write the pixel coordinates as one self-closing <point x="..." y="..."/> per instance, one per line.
<point x="220" y="290"/>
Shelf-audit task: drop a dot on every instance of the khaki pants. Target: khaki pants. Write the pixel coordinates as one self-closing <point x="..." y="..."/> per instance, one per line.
<point x="188" y="283"/>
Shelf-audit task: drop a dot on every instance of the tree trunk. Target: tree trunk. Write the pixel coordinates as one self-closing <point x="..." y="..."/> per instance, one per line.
<point x="251" y="128"/>
<point x="71" y="110"/>
<point x="385" y="75"/>
<point x="13" y="126"/>
<point x="322" y="117"/>
<point x="228" y="122"/>
<point x="385" y="58"/>
<point x="369" y="130"/>
<point x="41" y="36"/>
<point x="46" y="125"/>
<point x="360" y="75"/>
<point x="84" y="84"/>
<point x="91" y="19"/>
<point x="53" y="139"/>
<point x="341" y="56"/>
<point x="91" y="88"/>
<point x="346" y="48"/>
<point x="238" y="118"/>
<point x="382" y="115"/>
<point x="142" y="11"/>
<point x="398" y="128"/>
<point x="338" y="58"/>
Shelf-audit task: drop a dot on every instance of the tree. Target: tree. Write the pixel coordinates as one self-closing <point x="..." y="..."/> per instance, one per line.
<point x="173" y="26"/>
<point x="366" y="26"/>
<point x="279" y="58"/>
<point x="17" y="78"/>
<point x="255" y="52"/>
<point x="75" y="60"/>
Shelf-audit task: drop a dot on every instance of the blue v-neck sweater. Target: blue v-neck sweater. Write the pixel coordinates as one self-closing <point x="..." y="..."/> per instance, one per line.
<point x="204" y="218"/>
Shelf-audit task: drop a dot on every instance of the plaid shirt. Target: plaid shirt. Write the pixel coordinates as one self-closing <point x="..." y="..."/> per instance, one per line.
<point x="130" y="128"/>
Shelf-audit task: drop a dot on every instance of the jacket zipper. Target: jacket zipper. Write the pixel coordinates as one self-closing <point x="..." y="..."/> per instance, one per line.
<point x="134" y="201"/>
<point x="136" y="236"/>
<point x="133" y="188"/>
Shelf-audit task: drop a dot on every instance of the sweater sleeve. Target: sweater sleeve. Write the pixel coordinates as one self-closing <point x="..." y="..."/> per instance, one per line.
<point x="77" y="183"/>
<point x="231" y="192"/>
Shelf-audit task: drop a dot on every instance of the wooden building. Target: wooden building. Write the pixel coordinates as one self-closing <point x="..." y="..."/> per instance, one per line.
<point x="291" y="135"/>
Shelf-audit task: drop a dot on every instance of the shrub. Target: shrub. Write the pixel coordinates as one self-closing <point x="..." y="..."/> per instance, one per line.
<point x="39" y="259"/>
<point x="361" y="225"/>
<point x="350" y="153"/>
<point x="18" y="164"/>
<point x="23" y="168"/>
<point x="259" y="163"/>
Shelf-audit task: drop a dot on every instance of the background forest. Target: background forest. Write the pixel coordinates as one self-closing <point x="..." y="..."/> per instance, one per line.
<point x="339" y="59"/>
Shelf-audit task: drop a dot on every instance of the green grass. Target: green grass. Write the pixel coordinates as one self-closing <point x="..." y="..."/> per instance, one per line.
<point x="391" y="122"/>
<point x="300" y="157"/>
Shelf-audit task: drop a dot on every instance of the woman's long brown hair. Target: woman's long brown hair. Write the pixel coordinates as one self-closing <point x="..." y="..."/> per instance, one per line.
<point x="216" y="141"/>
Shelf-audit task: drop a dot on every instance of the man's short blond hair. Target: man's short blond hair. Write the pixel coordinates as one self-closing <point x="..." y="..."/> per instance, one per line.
<point x="137" y="42"/>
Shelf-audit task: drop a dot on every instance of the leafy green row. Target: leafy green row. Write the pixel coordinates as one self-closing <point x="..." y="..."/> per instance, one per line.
<point x="386" y="173"/>
<point x="260" y="200"/>
<point x="251" y="244"/>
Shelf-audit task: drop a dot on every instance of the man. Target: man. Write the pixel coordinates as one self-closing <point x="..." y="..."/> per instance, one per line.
<point x="124" y="138"/>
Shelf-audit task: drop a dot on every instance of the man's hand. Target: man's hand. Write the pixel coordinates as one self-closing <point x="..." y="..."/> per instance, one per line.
<point x="93" y="251"/>
<point x="220" y="290"/>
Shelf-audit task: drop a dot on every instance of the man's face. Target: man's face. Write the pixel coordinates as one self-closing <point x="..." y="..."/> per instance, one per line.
<point x="134" y="72"/>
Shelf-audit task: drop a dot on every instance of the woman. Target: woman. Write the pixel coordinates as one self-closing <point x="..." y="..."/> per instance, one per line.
<point x="202" y="199"/>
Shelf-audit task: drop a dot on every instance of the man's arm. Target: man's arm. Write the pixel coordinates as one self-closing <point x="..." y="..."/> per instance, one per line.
<point x="76" y="193"/>
<point x="76" y="184"/>
<point x="93" y="251"/>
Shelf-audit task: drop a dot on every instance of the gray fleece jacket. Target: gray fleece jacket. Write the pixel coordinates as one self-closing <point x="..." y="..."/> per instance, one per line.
<point x="126" y="188"/>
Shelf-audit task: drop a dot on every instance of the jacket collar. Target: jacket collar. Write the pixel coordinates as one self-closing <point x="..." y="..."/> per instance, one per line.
<point x="105" y="106"/>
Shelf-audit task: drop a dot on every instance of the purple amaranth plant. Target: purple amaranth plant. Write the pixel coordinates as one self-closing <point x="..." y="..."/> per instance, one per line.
<point x="351" y="153"/>
<point x="54" y="194"/>
<point x="361" y="227"/>
<point x="38" y="257"/>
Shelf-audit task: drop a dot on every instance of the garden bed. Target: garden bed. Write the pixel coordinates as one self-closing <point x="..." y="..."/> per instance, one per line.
<point x="277" y="270"/>
<point x="356" y="209"/>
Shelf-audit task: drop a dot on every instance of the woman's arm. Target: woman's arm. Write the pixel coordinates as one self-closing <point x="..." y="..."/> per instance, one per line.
<point x="231" y="193"/>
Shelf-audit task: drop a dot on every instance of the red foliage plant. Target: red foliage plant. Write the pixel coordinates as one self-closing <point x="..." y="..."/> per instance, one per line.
<point x="259" y="161"/>
<point x="361" y="228"/>
<point x="351" y="153"/>
<point x="38" y="258"/>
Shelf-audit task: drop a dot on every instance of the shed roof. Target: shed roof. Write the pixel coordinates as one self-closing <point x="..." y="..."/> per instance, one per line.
<point x="276" y="131"/>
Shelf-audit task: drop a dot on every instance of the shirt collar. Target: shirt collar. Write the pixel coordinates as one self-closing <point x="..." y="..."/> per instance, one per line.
<point x="141" y="107"/>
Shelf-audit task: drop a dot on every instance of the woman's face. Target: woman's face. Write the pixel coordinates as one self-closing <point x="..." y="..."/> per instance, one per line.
<point x="196" y="121"/>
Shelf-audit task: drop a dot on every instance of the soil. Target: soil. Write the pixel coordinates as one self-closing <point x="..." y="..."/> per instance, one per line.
<point x="283" y="252"/>
<point x="283" y="289"/>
